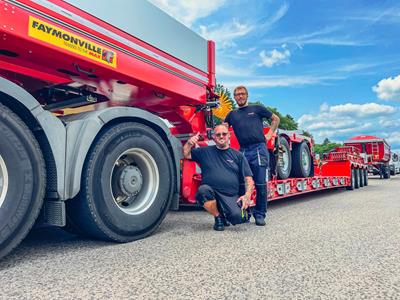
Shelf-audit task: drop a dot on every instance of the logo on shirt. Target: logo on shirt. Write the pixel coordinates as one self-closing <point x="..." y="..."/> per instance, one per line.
<point x="230" y="161"/>
<point x="251" y="113"/>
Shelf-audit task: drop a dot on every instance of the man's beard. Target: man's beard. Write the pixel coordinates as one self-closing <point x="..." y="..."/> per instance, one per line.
<point x="242" y="104"/>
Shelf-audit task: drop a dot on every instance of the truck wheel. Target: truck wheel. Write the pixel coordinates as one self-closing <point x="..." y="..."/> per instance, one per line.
<point x="356" y="178"/>
<point x="365" y="174"/>
<point x="361" y="176"/>
<point x="386" y="173"/>
<point x="301" y="160"/>
<point x="285" y="159"/>
<point x="127" y="184"/>
<point x="352" y="180"/>
<point x="22" y="180"/>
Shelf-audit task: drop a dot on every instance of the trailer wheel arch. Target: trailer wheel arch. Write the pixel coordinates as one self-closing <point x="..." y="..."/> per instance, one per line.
<point x="47" y="129"/>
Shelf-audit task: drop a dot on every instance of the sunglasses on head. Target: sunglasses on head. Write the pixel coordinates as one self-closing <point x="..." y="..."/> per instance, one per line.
<point x="221" y="134"/>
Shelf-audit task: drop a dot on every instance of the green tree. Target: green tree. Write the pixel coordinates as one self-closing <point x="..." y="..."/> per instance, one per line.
<point x="325" y="147"/>
<point x="287" y="122"/>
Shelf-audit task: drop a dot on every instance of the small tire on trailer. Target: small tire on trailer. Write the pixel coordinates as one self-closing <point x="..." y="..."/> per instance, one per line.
<point x="365" y="174"/>
<point x="301" y="160"/>
<point x="352" y="180"/>
<point x="361" y="176"/>
<point x="22" y="180"/>
<point x="284" y="165"/>
<point x="127" y="184"/>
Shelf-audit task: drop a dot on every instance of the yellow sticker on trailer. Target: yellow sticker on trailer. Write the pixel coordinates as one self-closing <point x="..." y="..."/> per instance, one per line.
<point x="61" y="38"/>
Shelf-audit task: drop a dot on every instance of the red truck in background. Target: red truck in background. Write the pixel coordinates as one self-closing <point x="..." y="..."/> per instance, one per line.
<point x="85" y="96"/>
<point x="376" y="152"/>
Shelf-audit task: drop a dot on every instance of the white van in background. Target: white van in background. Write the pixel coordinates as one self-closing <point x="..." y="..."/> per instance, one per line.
<point x="394" y="163"/>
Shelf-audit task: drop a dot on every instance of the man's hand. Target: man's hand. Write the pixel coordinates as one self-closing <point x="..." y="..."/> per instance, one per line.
<point x="194" y="139"/>
<point x="245" y="201"/>
<point x="273" y="127"/>
<point x="187" y="148"/>
<point x="268" y="136"/>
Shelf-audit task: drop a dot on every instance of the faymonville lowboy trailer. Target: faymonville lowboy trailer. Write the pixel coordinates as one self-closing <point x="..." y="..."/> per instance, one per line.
<point x="84" y="95"/>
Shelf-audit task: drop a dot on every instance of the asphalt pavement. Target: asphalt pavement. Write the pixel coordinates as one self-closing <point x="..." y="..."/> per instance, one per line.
<point x="329" y="245"/>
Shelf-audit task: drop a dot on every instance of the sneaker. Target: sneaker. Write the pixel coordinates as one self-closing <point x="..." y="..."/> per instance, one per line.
<point x="219" y="224"/>
<point x="259" y="221"/>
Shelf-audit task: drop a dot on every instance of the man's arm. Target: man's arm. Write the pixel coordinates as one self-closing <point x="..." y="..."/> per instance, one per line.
<point x="187" y="148"/>
<point x="273" y="127"/>
<point x="249" y="187"/>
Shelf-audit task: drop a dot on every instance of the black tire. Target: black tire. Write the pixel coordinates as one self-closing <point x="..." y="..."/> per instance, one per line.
<point x="365" y="174"/>
<point x="284" y="165"/>
<point x="361" y="177"/>
<point x="356" y="178"/>
<point x="385" y="172"/>
<point x="22" y="180"/>
<point x="127" y="185"/>
<point x="301" y="160"/>
<point x="352" y="180"/>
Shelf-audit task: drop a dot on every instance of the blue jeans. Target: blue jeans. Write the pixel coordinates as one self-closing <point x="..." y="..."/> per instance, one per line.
<point x="258" y="157"/>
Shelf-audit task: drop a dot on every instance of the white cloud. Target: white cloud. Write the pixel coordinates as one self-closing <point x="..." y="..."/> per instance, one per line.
<point x="246" y="51"/>
<point x="189" y="11"/>
<point x="340" y="122"/>
<point x="388" y="89"/>
<point x="389" y="123"/>
<point x="274" y="81"/>
<point x="331" y="36"/>
<point x="231" y="71"/>
<point x="224" y="35"/>
<point x="279" y="14"/>
<point x="393" y="138"/>
<point x="324" y="107"/>
<point x="363" y="110"/>
<point x="274" y="57"/>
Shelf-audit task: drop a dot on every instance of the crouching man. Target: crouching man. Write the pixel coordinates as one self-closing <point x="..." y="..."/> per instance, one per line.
<point x="223" y="171"/>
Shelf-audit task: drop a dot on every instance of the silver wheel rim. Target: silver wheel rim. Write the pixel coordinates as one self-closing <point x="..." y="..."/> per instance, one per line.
<point x="134" y="181"/>
<point x="305" y="158"/>
<point x="3" y="180"/>
<point x="285" y="161"/>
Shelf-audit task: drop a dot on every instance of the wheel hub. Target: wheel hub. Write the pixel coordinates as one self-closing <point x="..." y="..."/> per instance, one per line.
<point x="134" y="181"/>
<point x="131" y="180"/>
<point x="3" y="180"/>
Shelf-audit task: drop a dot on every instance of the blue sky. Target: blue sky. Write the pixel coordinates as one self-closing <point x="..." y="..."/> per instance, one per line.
<point x="333" y="65"/>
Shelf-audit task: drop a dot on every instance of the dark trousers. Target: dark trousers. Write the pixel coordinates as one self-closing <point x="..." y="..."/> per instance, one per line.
<point x="258" y="158"/>
<point x="227" y="205"/>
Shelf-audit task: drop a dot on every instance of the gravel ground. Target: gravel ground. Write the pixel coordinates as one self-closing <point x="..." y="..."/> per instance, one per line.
<point x="330" y="245"/>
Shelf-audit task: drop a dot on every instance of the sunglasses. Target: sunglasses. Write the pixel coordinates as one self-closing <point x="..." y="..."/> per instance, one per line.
<point x="240" y="94"/>
<point x="221" y="134"/>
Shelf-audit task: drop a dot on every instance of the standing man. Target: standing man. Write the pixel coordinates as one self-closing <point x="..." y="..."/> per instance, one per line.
<point x="247" y="123"/>
<point x="223" y="169"/>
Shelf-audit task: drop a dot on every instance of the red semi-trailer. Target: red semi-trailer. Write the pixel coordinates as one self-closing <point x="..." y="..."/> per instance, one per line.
<point x="376" y="151"/>
<point x="85" y="96"/>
